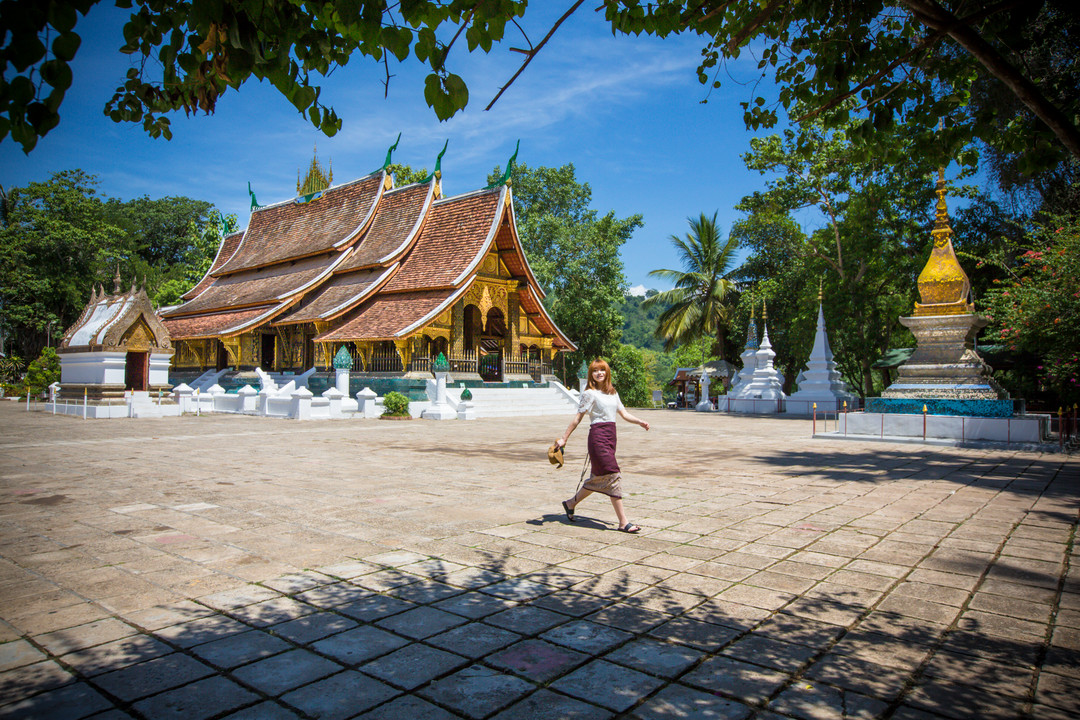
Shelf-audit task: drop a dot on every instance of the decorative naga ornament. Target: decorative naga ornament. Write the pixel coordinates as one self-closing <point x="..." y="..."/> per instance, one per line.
<point x="943" y="285"/>
<point x="485" y="307"/>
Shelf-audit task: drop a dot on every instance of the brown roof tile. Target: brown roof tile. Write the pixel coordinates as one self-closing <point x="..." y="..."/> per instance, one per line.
<point x="389" y="316"/>
<point x="455" y="234"/>
<point x="336" y="296"/>
<point x="290" y="230"/>
<point x="396" y="220"/>
<point x="187" y="328"/>
<point x="255" y="286"/>
<point x="225" y="251"/>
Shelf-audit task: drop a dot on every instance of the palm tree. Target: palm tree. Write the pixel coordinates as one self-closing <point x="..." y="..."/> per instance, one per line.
<point x="696" y="303"/>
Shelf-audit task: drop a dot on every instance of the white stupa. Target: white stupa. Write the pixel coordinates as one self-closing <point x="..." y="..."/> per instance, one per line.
<point x="820" y="381"/>
<point x="749" y="358"/>
<point x="764" y="391"/>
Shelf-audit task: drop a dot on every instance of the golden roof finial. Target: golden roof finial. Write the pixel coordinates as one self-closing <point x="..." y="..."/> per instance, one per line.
<point x="820" y="296"/>
<point x="764" y="314"/>
<point x="316" y="180"/>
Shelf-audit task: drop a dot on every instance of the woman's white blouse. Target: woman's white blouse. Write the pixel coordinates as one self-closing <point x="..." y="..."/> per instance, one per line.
<point x="600" y="406"/>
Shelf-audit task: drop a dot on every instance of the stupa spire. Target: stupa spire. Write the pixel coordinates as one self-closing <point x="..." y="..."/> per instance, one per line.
<point x="943" y="285"/>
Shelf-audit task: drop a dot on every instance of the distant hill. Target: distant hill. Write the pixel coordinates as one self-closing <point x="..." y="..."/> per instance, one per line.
<point x="639" y="324"/>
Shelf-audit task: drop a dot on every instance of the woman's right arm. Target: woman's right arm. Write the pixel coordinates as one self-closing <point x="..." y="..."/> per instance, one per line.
<point x="570" y="428"/>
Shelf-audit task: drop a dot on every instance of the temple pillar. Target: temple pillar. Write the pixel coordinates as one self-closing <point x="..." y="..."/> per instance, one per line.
<point x="457" y="330"/>
<point x="513" y="335"/>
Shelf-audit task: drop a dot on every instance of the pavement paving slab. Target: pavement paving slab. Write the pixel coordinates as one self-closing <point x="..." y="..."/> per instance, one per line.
<point x="255" y="569"/>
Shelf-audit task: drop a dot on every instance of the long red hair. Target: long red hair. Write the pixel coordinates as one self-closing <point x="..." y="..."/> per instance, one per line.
<point x="606" y="387"/>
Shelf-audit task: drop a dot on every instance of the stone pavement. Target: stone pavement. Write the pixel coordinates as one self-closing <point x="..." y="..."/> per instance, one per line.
<point x="245" y="567"/>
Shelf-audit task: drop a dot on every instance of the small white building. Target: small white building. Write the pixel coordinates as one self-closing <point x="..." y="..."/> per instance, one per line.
<point x="117" y="345"/>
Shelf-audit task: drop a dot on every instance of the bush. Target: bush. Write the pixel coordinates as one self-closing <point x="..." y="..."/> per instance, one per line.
<point x="395" y="404"/>
<point x="43" y="372"/>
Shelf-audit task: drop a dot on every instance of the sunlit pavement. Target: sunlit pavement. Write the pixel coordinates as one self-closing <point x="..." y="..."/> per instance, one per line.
<point x="241" y="567"/>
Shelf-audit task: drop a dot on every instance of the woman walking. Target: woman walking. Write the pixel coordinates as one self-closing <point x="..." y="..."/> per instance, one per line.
<point x="601" y="403"/>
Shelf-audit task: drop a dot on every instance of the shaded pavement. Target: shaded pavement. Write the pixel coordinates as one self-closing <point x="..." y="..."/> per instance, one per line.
<point x="247" y="567"/>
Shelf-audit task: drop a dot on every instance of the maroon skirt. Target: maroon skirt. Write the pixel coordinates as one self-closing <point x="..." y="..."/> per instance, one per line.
<point x="602" y="442"/>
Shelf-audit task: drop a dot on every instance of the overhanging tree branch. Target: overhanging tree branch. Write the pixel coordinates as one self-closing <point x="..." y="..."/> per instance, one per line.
<point x="936" y="17"/>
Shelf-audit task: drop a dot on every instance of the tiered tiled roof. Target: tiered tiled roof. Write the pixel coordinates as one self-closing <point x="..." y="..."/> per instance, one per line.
<point x="393" y="316"/>
<point x="217" y="324"/>
<point x="376" y="263"/>
<point x="456" y="234"/>
<point x="291" y="230"/>
<point x="225" y="251"/>
<point x="394" y="228"/>
<point x="341" y="293"/>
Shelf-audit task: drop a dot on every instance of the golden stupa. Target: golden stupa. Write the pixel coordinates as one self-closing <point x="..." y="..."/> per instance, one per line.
<point x="943" y="285"/>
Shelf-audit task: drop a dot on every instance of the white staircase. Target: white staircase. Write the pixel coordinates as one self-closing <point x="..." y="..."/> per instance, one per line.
<point x="519" y="402"/>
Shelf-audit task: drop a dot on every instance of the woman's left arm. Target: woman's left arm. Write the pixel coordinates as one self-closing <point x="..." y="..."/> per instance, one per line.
<point x="630" y="418"/>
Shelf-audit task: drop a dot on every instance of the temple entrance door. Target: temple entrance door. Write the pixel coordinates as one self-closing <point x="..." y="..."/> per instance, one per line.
<point x="491" y="347"/>
<point x="266" y="353"/>
<point x="490" y="360"/>
<point x="222" y="356"/>
<point x="137" y="371"/>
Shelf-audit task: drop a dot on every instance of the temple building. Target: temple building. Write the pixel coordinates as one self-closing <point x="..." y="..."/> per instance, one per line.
<point x="395" y="275"/>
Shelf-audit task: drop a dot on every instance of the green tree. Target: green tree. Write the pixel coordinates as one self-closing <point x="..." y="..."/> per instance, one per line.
<point x="874" y="241"/>
<point x="639" y="322"/>
<point x="61" y="239"/>
<point x="1037" y="307"/>
<point x="630" y="376"/>
<point x="903" y="61"/>
<point x="574" y="254"/>
<point x="54" y="247"/>
<point x="916" y="61"/>
<point x="698" y="304"/>
<point x="775" y="273"/>
<point x="201" y="49"/>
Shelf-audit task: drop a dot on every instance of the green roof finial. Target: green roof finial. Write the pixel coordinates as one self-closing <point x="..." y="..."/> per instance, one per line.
<point x="254" y="202"/>
<point x="505" y="179"/>
<point x="583" y="371"/>
<point x="390" y="152"/>
<point x="441" y="364"/>
<point x="437" y="172"/>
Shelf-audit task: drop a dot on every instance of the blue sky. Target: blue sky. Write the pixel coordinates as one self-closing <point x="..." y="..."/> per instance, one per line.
<point x="626" y="111"/>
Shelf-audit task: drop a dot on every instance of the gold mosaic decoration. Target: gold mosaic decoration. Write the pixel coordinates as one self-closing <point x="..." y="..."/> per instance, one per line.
<point x="943" y="284"/>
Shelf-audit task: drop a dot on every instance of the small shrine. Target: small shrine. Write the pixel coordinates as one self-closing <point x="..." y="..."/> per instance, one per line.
<point x="945" y="373"/>
<point x="118" y="345"/>
<point x="763" y="390"/>
<point x="820" y="383"/>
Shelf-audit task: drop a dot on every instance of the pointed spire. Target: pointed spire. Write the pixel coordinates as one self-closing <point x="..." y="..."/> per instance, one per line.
<point x="116" y="280"/>
<point x="316" y="179"/>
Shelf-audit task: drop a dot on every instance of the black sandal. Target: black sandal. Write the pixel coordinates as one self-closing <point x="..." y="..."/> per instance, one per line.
<point x="630" y="528"/>
<point x="569" y="511"/>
